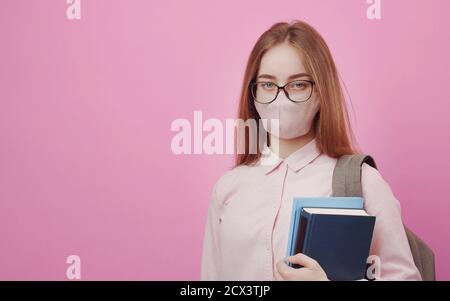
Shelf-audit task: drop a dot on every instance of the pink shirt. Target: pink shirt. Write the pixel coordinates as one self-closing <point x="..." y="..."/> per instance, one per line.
<point x="249" y="216"/>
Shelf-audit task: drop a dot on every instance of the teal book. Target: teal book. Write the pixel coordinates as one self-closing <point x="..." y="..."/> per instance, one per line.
<point x="317" y="202"/>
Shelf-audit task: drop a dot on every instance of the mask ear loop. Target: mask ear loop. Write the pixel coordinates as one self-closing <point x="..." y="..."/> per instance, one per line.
<point x="263" y="137"/>
<point x="275" y="139"/>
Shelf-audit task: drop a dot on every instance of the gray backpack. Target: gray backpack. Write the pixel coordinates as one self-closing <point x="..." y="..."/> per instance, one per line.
<point x="347" y="182"/>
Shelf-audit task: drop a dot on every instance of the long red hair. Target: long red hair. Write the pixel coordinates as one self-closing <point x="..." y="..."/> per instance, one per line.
<point x="331" y="124"/>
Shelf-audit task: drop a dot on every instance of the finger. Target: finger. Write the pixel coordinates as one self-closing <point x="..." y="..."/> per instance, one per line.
<point x="304" y="274"/>
<point x="286" y="272"/>
<point x="278" y="276"/>
<point x="303" y="260"/>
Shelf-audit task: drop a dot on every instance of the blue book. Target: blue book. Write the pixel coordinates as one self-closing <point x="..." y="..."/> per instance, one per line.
<point x="317" y="202"/>
<point x="339" y="239"/>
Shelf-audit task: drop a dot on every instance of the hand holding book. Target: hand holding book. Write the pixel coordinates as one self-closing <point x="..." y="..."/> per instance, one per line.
<point x="311" y="270"/>
<point x="328" y="241"/>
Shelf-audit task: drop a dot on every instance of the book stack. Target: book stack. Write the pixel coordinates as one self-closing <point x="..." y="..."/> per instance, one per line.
<point x="334" y="231"/>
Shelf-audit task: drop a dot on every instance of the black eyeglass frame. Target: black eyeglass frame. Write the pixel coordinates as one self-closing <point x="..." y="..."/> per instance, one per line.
<point x="252" y="86"/>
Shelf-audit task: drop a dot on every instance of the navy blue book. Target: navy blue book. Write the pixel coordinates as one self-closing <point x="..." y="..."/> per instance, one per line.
<point x="338" y="239"/>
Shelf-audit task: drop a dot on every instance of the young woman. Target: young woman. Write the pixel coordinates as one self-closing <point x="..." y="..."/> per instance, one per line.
<point x="291" y="76"/>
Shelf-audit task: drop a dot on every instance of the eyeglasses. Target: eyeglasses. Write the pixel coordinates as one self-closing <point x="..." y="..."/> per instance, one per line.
<point x="296" y="91"/>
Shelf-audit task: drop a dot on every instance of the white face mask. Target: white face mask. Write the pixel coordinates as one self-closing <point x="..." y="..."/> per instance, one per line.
<point x="295" y="119"/>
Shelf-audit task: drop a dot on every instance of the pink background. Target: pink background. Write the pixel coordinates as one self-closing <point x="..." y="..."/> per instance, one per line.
<point x="86" y="107"/>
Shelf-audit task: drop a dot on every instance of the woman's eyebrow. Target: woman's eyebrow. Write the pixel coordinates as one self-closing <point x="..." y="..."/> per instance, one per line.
<point x="268" y="76"/>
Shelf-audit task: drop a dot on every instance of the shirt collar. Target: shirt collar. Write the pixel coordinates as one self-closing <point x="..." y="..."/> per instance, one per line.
<point x="295" y="161"/>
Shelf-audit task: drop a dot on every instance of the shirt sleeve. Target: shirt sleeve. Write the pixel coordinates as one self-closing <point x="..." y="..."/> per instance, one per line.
<point x="389" y="242"/>
<point x="211" y="251"/>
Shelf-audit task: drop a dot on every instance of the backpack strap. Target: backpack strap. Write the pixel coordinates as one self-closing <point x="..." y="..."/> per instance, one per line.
<point x="347" y="175"/>
<point x="347" y="183"/>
